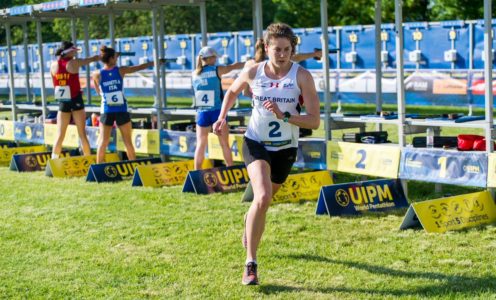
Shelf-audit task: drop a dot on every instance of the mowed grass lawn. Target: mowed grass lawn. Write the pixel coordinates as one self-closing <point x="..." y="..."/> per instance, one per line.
<point x="72" y="239"/>
<point x="65" y="238"/>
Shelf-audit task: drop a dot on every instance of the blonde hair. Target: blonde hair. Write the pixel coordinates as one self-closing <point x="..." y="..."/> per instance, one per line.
<point x="199" y="65"/>
<point x="281" y="30"/>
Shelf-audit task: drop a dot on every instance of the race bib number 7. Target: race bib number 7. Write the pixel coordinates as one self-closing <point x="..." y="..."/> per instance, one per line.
<point x="62" y="93"/>
<point x="204" y="98"/>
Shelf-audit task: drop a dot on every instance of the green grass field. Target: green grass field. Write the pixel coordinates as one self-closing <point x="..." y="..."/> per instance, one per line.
<point x="72" y="239"/>
<point x="65" y="238"/>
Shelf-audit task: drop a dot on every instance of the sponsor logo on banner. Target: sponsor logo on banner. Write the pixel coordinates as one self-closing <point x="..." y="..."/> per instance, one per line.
<point x="359" y="197"/>
<point x="463" y="168"/>
<point x="297" y="187"/>
<point x="116" y="171"/>
<point x="178" y="143"/>
<point x="235" y="144"/>
<point x="451" y="213"/>
<point x="74" y="166"/>
<point x="33" y="161"/>
<point x="7" y="130"/>
<point x="7" y="153"/>
<point x="365" y="159"/>
<point x="223" y="179"/>
<point x="165" y="174"/>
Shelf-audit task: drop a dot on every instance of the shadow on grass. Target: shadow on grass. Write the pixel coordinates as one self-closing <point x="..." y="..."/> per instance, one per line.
<point x="450" y="284"/>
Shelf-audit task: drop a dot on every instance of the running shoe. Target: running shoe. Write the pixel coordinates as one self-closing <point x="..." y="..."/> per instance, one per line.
<point x="250" y="274"/>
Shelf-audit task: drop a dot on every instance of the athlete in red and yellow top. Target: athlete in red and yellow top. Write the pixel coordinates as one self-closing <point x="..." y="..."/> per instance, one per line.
<point x="65" y="75"/>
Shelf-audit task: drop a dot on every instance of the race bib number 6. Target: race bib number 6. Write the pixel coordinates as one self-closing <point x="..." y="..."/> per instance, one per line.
<point x="62" y="93"/>
<point x="114" y="99"/>
<point x="204" y="98"/>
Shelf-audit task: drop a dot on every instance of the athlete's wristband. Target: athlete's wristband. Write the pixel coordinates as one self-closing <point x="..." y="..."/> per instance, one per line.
<point x="286" y="117"/>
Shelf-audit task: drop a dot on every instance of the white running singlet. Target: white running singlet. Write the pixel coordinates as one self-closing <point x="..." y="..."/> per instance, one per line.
<point x="264" y="127"/>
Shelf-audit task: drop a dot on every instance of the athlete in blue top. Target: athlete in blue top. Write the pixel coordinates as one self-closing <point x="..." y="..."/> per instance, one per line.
<point x="109" y="84"/>
<point x="208" y="101"/>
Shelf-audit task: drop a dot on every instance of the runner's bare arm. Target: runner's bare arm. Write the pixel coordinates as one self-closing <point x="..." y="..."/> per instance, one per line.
<point x="74" y="65"/>
<point x="127" y="70"/>
<point x="96" y="81"/>
<point x="311" y="119"/>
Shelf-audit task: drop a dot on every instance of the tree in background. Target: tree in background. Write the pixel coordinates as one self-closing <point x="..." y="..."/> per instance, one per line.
<point x="236" y="15"/>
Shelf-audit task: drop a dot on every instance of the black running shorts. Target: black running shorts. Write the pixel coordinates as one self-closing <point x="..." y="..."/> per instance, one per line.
<point x="74" y="104"/>
<point x="120" y="118"/>
<point x="280" y="161"/>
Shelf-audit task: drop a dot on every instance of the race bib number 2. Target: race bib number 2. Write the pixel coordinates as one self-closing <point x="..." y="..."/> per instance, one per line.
<point x="115" y="98"/>
<point x="62" y="93"/>
<point x="204" y="98"/>
<point x="275" y="133"/>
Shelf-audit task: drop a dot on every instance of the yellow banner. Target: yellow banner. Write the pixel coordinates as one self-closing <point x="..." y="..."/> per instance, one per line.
<point x="7" y="153"/>
<point x="165" y="174"/>
<point x="457" y="212"/>
<point x="491" y="170"/>
<point x="71" y="139"/>
<point x="365" y="159"/>
<point x="144" y="141"/>
<point x="74" y="166"/>
<point x="235" y="144"/>
<point x="305" y="186"/>
<point x="7" y="130"/>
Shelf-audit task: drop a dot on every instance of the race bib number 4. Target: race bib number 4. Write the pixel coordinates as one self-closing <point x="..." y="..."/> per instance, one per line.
<point x="114" y="99"/>
<point x="274" y="132"/>
<point x="63" y="93"/>
<point x="204" y="98"/>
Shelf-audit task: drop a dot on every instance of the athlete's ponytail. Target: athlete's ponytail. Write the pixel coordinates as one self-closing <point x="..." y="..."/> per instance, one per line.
<point x="281" y="30"/>
<point x="199" y="65"/>
<point x="260" y="51"/>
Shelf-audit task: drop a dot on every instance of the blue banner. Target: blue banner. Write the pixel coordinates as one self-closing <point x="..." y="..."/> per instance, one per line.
<point x="117" y="171"/>
<point x="178" y="143"/>
<point x="356" y="198"/>
<point x="450" y="167"/>
<point x="217" y="180"/>
<point x="94" y="132"/>
<point x="32" y="133"/>
<point x="30" y="162"/>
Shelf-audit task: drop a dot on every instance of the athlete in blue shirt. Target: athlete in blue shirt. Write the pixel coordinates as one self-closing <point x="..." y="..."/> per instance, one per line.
<point x="208" y="101"/>
<point x="109" y="84"/>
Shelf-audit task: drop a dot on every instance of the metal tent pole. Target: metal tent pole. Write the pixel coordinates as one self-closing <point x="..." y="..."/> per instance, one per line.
<point x="203" y="23"/>
<point x="26" y="61"/>
<point x="162" y="55"/>
<point x="158" y="94"/>
<point x="111" y="19"/>
<point x="73" y="31"/>
<point x="11" y="72"/>
<point x="259" y="15"/>
<point x="378" y="62"/>
<point x="254" y="20"/>
<point x="488" y="74"/>
<point x="87" y="51"/>
<point x="400" y="83"/>
<point x="42" y="70"/>
<point x="325" y="66"/>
